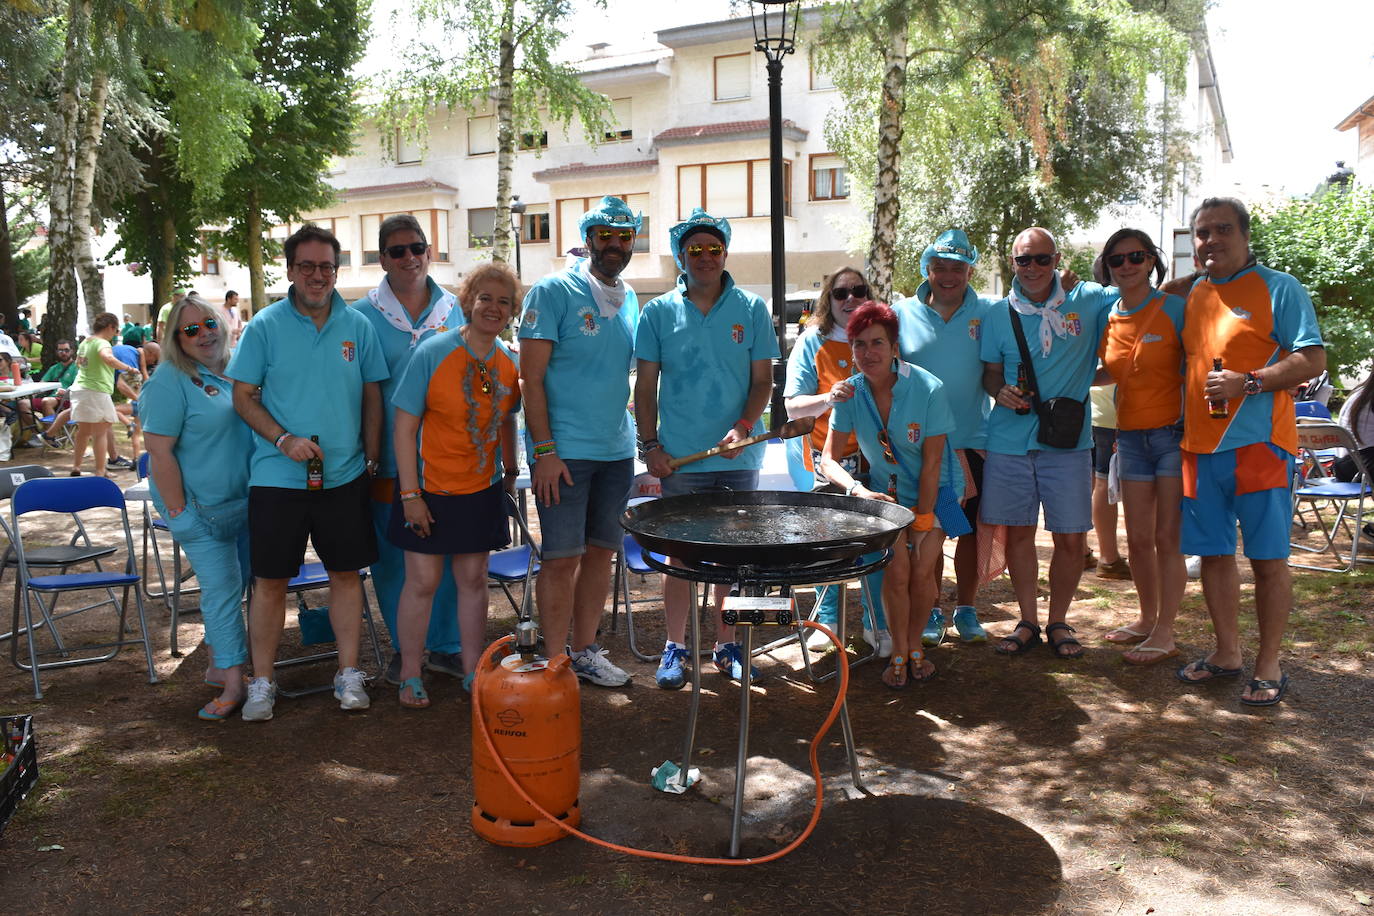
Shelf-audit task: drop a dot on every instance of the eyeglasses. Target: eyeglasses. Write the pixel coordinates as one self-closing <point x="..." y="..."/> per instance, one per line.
<point x="399" y="251"/>
<point x="191" y="330"/>
<point x="1044" y="260"/>
<point x="306" y="268"/>
<point x="625" y="235"/>
<point x="695" y="251"/>
<point x="1135" y="257"/>
<point x="886" y="443"/>
<point x="841" y="293"/>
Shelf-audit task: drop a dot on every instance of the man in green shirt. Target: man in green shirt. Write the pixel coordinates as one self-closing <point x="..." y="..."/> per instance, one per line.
<point x="177" y="295"/>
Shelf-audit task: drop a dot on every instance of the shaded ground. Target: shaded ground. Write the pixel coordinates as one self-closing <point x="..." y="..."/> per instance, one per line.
<point x="1007" y="785"/>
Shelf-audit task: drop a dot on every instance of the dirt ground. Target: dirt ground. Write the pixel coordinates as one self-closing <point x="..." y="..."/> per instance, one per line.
<point x="1005" y="785"/>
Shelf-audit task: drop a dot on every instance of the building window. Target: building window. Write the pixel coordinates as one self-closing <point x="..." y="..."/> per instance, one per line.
<point x="534" y="225"/>
<point x="407" y="149"/>
<point x="341" y="226"/>
<point x="533" y="140"/>
<point x="820" y="79"/>
<point x="481" y="135"/>
<point x="620" y="121"/>
<point x="209" y="257"/>
<point x="730" y="189"/>
<point x="481" y="226"/>
<point x="732" y="77"/>
<point x="829" y="177"/>
<point x="570" y="210"/>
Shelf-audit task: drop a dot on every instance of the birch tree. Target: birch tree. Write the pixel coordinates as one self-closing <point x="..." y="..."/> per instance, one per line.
<point x="469" y="54"/>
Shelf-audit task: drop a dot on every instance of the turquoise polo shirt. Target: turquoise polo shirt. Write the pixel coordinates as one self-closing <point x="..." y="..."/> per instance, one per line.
<point x="919" y="410"/>
<point x="212" y="441"/>
<point x="587" y="383"/>
<point x="1066" y="373"/>
<point x="312" y="384"/>
<point x="397" y="352"/>
<point x="705" y="363"/>
<point x="949" y="350"/>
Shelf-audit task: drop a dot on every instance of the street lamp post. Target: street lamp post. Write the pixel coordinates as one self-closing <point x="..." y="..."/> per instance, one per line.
<point x="775" y="34"/>
<point x="517" y="219"/>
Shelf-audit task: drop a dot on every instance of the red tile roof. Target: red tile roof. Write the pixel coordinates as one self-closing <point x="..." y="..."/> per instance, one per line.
<point x="427" y="184"/>
<point x="578" y="169"/>
<point x="727" y="129"/>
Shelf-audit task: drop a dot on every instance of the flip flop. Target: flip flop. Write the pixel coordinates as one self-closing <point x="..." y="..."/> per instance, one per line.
<point x="914" y="668"/>
<point x="1257" y="684"/>
<point x="418" y="698"/>
<point x="1202" y="664"/>
<point x="1159" y="655"/>
<point x="1131" y="634"/>
<point x="218" y="710"/>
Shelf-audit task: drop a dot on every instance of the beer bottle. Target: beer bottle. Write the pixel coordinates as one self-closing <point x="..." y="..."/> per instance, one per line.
<point x="1023" y="385"/>
<point x="1218" y="409"/>
<point x="314" y="470"/>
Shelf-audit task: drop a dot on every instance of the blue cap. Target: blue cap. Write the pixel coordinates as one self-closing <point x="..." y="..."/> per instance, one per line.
<point x="612" y="211"/>
<point x="952" y="244"/>
<point x="699" y="221"/>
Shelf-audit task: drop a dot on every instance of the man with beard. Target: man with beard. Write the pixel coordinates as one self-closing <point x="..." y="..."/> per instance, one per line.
<point x="406" y="308"/>
<point x="576" y="351"/>
<point x="306" y="380"/>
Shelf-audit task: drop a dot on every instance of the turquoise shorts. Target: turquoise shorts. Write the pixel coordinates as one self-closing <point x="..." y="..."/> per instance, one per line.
<point x="1220" y="490"/>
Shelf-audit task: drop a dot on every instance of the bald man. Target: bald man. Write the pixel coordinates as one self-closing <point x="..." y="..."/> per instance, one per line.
<point x="1023" y="472"/>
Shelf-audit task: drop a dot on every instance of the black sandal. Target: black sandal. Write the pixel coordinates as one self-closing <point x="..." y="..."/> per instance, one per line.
<point x="1066" y="641"/>
<point x="1022" y="645"/>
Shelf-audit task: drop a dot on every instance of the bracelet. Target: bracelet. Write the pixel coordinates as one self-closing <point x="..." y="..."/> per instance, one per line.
<point x="541" y="444"/>
<point x="512" y="472"/>
<point x="280" y="439"/>
<point x="408" y="495"/>
<point x="543" y="451"/>
<point x="924" y="521"/>
<point x="849" y="490"/>
<point x="748" y="427"/>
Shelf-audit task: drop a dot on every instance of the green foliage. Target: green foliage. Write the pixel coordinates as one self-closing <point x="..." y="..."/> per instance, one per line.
<point x="1018" y="115"/>
<point x="1328" y="244"/>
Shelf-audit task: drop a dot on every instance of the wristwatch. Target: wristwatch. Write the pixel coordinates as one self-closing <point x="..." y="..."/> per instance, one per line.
<point x="372" y="466"/>
<point x="1253" y="385"/>
<point x="849" y="490"/>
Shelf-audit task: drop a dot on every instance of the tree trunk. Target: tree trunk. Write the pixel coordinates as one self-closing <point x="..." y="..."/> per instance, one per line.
<point x="255" y="259"/>
<point x="83" y="185"/>
<point x="59" y="319"/>
<point x="886" y="203"/>
<point x="165" y="271"/>
<point x="505" y="135"/>
<point x="9" y="291"/>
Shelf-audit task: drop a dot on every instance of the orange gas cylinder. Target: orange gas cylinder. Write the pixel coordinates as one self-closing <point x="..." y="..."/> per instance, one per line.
<point x="533" y="713"/>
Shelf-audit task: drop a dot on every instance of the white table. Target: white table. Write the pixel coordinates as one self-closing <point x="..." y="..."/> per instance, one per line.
<point x="28" y="390"/>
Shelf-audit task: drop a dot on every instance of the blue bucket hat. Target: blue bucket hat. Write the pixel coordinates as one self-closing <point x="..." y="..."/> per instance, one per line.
<point x="611" y="211"/>
<point x="699" y="221"/>
<point x="952" y="244"/>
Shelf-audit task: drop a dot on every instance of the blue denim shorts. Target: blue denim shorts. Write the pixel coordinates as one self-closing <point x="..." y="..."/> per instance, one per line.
<point x="588" y="512"/>
<point x="1015" y="487"/>
<point x="1145" y="454"/>
<point x="679" y="484"/>
<point x="1104" y="443"/>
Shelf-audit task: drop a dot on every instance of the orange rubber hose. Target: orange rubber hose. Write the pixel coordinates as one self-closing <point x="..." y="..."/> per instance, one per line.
<point x="669" y="856"/>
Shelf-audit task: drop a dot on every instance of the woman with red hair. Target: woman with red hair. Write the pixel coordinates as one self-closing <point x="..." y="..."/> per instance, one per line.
<point x="901" y="416"/>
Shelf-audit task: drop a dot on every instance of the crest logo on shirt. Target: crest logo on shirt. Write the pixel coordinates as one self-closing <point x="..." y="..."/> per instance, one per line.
<point x="1240" y="313"/>
<point x="589" y="326"/>
<point x="975" y="329"/>
<point x="913" y="433"/>
<point x="441" y="329"/>
<point x="737" y="333"/>
<point x="1150" y="338"/>
<point x="531" y="317"/>
<point x="1073" y="324"/>
<point x="843" y="363"/>
<point x="349" y="351"/>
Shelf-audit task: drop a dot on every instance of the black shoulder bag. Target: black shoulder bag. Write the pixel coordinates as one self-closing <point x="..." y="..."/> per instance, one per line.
<point x="1061" y="419"/>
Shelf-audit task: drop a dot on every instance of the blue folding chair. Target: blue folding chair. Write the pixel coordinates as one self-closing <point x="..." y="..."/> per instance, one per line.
<point x="1333" y="497"/>
<point x="315" y="628"/>
<point x="153" y="528"/>
<point x="71" y="496"/>
<point x="630" y="559"/>
<point x="514" y="564"/>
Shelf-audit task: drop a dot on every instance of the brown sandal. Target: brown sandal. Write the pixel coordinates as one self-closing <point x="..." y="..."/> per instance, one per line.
<point x="896" y="667"/>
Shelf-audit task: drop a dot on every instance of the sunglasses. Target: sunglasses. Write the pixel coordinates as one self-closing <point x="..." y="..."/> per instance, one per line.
<point x="191" y="330"/>
<point x="696" y="250"/>
<point x="1044" y="260"/>
<point x="841" y="293"/>
<point x="625" y="235"/>
<point x="399" y="251"/>
<point x="886" y="443"/>
<point x="1135" y="257"/>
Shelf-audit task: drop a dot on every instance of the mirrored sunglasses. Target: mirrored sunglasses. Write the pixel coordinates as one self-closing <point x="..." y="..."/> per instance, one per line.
<point x="625" y="235"/>
<point x="695" y="251"/>
<point x="191" y="330"/>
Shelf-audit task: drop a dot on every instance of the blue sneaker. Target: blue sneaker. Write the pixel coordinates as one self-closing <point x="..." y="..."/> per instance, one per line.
<point x="966" y="622"/>
<point x="934" y="633"/>
<point x="670" y="674"/>
<point x="730" y="662"/>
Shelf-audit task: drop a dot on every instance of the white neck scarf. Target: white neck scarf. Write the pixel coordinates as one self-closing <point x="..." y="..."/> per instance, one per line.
<point x="1051" y="321"/>
<point x="608" y="299"/>
<point x="839" y="334"/>
<point x="385" y="301"/>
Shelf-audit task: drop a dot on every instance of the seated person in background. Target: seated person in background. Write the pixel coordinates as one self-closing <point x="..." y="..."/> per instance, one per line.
<point x="1358" y="416"/>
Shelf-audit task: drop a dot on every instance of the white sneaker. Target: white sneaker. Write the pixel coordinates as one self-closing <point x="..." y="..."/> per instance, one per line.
<point x="1194" y="566"/>
<point x="882" y="641"/>
<point x="348" y="689"/>
<point x="816" y="641"/>
<point x="262" y="694"/>
<point x="591" y="664"/>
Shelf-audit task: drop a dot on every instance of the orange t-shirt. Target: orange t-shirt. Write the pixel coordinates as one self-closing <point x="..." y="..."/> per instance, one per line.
<point x="1143" y="350"/>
